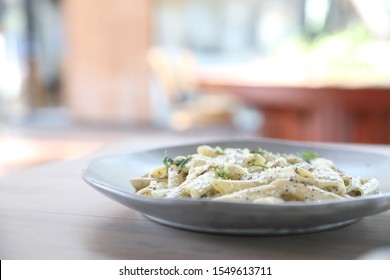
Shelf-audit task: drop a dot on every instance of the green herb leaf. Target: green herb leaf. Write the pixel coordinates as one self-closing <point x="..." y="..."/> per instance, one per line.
<point x="181" y="163"/>
<point x="219" y="150"/>
<point x="259" y="164"/>
<point x="308" y="156"/>
<point x="168" y="161"/>
<point x="259" y="151"/>
<point x="222" y="173"/>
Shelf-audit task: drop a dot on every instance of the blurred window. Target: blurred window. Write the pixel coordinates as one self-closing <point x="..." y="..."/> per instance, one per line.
<point x="324" y="40"/>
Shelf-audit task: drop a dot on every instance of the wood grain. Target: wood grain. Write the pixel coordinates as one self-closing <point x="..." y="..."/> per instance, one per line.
<point x="48" y="212"/>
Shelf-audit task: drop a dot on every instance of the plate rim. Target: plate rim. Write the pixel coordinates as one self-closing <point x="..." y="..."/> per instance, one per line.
<point x="314" y="145"/>
<point x="308" y="217"/>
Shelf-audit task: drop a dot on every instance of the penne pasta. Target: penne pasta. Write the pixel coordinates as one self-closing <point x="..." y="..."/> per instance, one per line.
<point x="256" y="176"/>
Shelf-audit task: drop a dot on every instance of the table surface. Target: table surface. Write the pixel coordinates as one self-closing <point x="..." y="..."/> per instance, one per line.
<point x="48" y="212"/>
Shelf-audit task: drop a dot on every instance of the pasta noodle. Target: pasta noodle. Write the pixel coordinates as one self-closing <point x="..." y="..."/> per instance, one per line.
<point x="258" y="176"/>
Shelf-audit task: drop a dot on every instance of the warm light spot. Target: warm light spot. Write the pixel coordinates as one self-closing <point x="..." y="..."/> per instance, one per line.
<point x="181" y="120"/>
<point x="19" y="153"/>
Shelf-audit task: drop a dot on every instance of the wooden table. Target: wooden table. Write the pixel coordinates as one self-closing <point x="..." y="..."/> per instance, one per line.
<point x="48" y="212"/>
<point x="312" y="112"/>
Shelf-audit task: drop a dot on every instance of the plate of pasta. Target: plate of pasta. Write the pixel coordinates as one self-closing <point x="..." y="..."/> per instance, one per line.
<point x="247" y="187"/>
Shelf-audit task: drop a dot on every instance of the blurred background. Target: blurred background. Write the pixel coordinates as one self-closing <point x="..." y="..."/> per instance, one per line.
<point x="75" y="75"/>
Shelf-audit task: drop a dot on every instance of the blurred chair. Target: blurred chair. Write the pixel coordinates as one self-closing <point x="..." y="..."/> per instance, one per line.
<point x="177" y="103"/>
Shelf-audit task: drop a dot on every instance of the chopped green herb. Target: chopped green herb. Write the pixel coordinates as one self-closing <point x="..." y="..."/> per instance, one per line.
<point x="219" y="150"/>
<point x="259" y="151"/>
<point x="168" y="161"/>
<point x="181" y="163"/>
<point x="308" y="156"/>
<point x="259" y="164"/>
<point x="222" y="173"/>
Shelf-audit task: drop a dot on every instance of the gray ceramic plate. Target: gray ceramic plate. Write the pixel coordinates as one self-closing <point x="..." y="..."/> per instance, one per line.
<point x="110" y="175"/>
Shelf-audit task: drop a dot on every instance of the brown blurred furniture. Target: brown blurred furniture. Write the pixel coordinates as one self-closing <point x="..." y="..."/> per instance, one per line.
<point x="322" y="113"/>
<point x="104" y="74"/>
